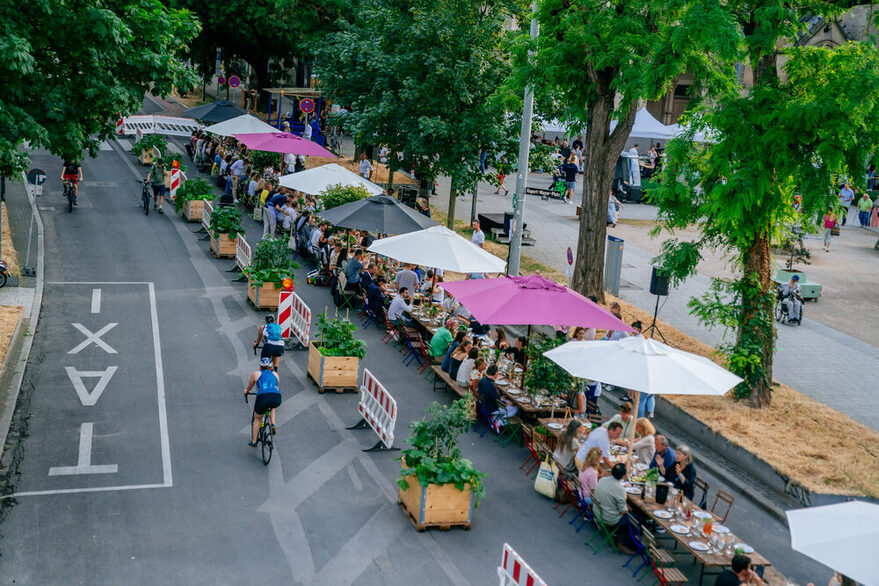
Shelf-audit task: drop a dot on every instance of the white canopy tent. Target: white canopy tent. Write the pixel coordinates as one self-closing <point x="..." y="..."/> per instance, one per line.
<point x="244" y="124"/>
<point x="440" y="248"/>
<point x="315" y="180"/>
<point x="645" y="127"/>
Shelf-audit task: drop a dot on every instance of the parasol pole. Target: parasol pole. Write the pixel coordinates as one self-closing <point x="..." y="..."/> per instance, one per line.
<point x="631" y="437"/>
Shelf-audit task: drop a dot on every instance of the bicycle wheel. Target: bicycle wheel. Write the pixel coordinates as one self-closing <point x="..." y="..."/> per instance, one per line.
<point x="146" y="201"/>
<point x="69" y="192"/>
<point x="267" y="442"/>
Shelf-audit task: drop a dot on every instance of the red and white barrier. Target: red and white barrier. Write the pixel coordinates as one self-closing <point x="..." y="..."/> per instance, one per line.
<point x="120" y="125"/>
<point x="243" y="254"/>
<point x="513" y="570"/>
<point x="294" y="317"/>
<point x="175" y="182"/>
<point x="378" y="409"/>
<point x="206" y="211"/>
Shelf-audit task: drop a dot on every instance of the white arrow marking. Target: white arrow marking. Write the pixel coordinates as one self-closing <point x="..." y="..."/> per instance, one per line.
<point x="84" y="462"/>
<point x="86" y="398"/>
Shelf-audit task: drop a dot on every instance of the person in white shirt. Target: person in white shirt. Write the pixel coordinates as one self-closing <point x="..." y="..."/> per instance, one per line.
<point x="399" y="305"/>
<point x="366" y="167"/>
<point x="463" y="377"/>
<point x="793" y="298"/>
<point x="307" y="131"/>
<point x="601" y="437"/>
<point x="290" y="162"/>
<point x="478" y="237"/>
<point x="315" y="238"/>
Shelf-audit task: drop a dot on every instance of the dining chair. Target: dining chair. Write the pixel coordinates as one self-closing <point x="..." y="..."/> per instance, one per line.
<point x="635" y="533"/>
<point x="703" y="486"/>
<point x="534" y="458"/>
<point x="391" y="332"/>
<point x="665" y="556"/>
<point x="728" y="499"/>
<point x="565" y="481"/>
<point x="585" y="516"/>
<point x="665" y="575"/>
<point x="607" y="533"/>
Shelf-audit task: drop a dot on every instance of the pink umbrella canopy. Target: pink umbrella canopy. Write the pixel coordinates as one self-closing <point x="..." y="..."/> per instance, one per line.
<point x="531" y="300"/>
<point x="283" y="142"/>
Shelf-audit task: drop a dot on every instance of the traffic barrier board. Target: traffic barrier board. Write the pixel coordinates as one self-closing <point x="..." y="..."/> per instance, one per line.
<point x="378" y="410"/>
<point x="294" y="317"/>
<point x="513" y="570"/>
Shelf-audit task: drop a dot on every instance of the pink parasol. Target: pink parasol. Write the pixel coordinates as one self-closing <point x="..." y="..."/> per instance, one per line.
<point x="283" y="142"/>
<point x="531" y="300"/>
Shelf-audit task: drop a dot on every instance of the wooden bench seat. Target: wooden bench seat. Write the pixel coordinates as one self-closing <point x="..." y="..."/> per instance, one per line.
<point x="440" y="375"/>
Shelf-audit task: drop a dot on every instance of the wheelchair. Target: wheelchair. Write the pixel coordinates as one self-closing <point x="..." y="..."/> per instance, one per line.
<point x="781" y="311"/>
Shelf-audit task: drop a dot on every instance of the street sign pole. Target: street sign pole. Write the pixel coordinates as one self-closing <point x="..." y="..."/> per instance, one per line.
<point x="522" y="174"/>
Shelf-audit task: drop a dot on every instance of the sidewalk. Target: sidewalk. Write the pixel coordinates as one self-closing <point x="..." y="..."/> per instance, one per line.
<point x="828" y="365"/>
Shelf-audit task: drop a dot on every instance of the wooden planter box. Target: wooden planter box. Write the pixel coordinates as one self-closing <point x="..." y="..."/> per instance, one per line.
<point x="264" y="297"/>
<point x="338" y="373"/>
<point x="436" y="505"/>
<point x="192" y="210"/>
<point x="146" y="157"/>
<point x="224" y="247"/>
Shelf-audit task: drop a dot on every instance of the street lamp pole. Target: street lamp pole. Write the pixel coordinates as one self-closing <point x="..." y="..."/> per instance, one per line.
<point x="522" y="174"/>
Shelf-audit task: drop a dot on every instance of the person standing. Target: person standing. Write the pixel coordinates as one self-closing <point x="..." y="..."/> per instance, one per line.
<point x="157" y="177"/>
<point x="829" y="223"/>
<point x="366" y="167"/>
<point x="865" y="205"/>
<point x="613" y="208"/>
<point x="570" y="170"/>
<point x="478" y="237"/>
<point x="846" y="198"/>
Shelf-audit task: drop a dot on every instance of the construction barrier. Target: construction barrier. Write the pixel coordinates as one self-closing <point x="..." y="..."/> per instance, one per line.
<point x="513" y="570"/>
<point x="120" y="125"/>
<point x="294" y="317"/>
<point x="206" y="210"/>
<point x="175" y="182"/>
<point x="242" y="253"/>
<point x="140" y="125"/>
<point x="378" y="410"/>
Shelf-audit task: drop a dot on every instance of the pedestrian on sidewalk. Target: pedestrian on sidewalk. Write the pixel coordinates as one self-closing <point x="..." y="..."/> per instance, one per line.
<point x="829" y="223"/>
<point x="846" y="198"/>
<point x="865" y="206"/>
<point x="613" y="208"/>
<point x="570" y="170"/>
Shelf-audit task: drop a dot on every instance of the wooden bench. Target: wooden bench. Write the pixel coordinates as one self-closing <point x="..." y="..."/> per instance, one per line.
<point x="441" y="378"/>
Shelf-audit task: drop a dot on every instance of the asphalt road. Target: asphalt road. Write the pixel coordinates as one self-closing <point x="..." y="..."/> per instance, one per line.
<point x="136" y="468"/>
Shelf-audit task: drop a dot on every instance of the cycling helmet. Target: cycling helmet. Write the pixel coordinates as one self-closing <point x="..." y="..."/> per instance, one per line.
<point x="270" y="318"/>
<point x="265" y="361"/>
<point x="796" y="277"/>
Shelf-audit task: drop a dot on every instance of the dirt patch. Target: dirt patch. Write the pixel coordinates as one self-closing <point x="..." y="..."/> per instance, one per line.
<point x="380" y="175"/>
<point x="9" y="254"/>
<point x="9" y="316"/>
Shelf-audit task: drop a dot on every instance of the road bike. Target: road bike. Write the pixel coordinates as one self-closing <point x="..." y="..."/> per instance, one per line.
<point x="335" y="143"/>
<point x="69" y="193"/>
<point x="264" y="438"/>
<point x="145" y="197"/>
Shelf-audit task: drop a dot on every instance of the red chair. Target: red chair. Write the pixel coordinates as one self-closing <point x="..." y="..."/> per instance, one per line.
<point x="533" y="455"/>
<point x="391" y="332"/>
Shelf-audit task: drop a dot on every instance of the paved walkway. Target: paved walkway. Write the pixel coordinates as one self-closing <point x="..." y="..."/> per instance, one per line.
<point x="825" y="364"/>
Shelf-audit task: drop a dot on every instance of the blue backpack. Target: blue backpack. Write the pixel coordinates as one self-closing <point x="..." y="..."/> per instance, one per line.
<point x="273" y="332"/>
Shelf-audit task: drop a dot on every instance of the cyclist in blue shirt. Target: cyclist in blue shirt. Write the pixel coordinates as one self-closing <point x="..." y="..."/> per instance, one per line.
<point x="268" y="396"/>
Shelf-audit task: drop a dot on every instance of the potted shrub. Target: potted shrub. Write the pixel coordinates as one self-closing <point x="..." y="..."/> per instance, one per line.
<point x="334" y="357"/>
<point x="191" y="196"/>
<point x="146" y="148"/>
<point x="270" y="264"/>
<point x="542" y="373"/>
<point x="225" y="227"/>
<point x="438" y="486"/>
<point x="338" y="195"/>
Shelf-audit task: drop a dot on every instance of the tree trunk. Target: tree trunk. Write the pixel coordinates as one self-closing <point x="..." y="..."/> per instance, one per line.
<point x="263" y="80"/>
<point x="758" y="261"/>
<point x="453" y="195"/>
<point x="390" y="166"/>
<point x="600" y="153"/>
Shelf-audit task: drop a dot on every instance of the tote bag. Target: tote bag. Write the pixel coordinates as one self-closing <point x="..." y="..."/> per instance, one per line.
<point x="547" y="477"/>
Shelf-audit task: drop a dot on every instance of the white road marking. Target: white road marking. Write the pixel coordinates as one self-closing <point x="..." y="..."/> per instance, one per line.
<point x="160" y="390"/>
<point x="105" y="146"/>
<point x="96" y="301"/>
<point x="93" y="338"/>
<point x="86" y="398"/>
<point x="84" y="462"/>
<point x="174" y="148"/>
<point x="126" y="144"/>
<point x="81" y="490"/>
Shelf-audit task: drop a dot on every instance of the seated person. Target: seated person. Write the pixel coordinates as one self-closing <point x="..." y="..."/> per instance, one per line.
<point x="458" y="356"/>
<point x="685" y="472"/>
<point x="740" y="572"/>
<point x="645" y="443"/>
<point x="568" y="445"/>
<point x="792" y="297"/>
<point x="463" y="376"/>
<point x="479" y="366"/>
<point x="446" y="362"/>
<point x="368" y="275"/>
<point x="501" y="409"/>
<point x="352" y="271"/>
<point x="610" y="498"/>
<point x="601" y="437"/>
<point x="624" y="418"/>
<point x="441" y="339"/>
<point x="399" y="306"/>
<point x="375" y="298"/>
<point x="664" y="459"/>
<point x="590" y="473"/>
<point x="517" y="352"/>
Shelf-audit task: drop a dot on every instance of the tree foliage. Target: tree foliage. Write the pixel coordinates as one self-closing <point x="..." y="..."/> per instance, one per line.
<point x="338" y="195"/>
<point x="792" y="129"/>
<point x="69" y="68"/>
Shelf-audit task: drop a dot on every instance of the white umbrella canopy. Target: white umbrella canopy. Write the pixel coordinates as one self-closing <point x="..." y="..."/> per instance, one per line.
<point x="244" y="124"/>
<point x="645" y="365"/>
<point x="315" y="180"/>
<point x="843" y="537"/>
<point x="440" y="248"/>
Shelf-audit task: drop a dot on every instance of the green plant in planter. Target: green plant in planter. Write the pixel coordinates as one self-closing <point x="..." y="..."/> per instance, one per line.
<point x="191" y="190"/>
<point x="542" y="372"/>
<point x="148" y="142"/>
<point x="271" y="262"/>
<point x="226" y="220"/>
<point x="336" y="337"/>
<point x="337" y="195"/>
<point x="434" y="457"/>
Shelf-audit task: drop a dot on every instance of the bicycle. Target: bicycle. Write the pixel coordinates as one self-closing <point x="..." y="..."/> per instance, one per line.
<point x="265" y="438"/>
<point x="69" y="193"/>
<point x="145" y="197"/>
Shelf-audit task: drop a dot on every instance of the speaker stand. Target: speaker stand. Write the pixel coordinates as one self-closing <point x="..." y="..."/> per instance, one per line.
<point x="654" y="329"/>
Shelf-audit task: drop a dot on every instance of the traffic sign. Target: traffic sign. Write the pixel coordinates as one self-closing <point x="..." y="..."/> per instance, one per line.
<point x="234" y="81"/>
<point x="221" y="80"/>
<point x="306" y="105"/>
<point x="570" y="256"/>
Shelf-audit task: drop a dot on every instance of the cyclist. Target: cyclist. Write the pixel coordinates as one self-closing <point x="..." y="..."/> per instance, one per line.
<point x="272" y="342"/>
<point x="157" y="175"/>
<point x="72" y="171"/>
<point x="268" y="396"/>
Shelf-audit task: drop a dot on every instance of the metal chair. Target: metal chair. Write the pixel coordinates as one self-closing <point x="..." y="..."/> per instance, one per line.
<point x="607" y="533"/>
<point x="703" y="486"/>
<point x="728" y="499"/>
<point x="665" y="575"/>
<point x="534" y="457"/>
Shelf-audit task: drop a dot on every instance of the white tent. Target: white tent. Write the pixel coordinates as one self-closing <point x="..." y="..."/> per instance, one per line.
<point x="244" y="124"/>
<point x="315" y="180"/>
<point x="646" y="126"/>
<point x="440" y="248"/>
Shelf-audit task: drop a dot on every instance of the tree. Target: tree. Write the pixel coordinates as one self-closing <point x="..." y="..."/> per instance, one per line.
<point x="425" y="78"/>
<point x="595" y="62"/>
<point x="261" y="32"/>
<point x="69" y="69"/>
<point x="803" y="117"/>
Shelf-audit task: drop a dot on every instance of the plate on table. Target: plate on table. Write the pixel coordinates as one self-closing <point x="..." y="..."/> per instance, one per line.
<point x="701" y="514"/>
<point x="524" y="400"/>
<point x="554" y="425"/>
<point x="719" y="529"/>
<point x="698" y="545"/>
<point x="633" y="490"/>
<point x="514" y="391"/>
<point x="662" y="514"/>
<point x="680" y="529"/>
<point x="744" y="547"/>
<point x="640" y="466"/>
<point x="517" y="370"/>
<point x="503" y="383"/>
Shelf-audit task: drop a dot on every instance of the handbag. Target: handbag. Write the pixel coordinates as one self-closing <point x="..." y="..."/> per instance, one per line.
<point x="547" y="477"/>
<point x="291" y="242"/>
<point x="257" y="214"/>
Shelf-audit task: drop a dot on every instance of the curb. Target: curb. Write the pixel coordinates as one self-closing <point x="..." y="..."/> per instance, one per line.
<point x="25" y="339"/>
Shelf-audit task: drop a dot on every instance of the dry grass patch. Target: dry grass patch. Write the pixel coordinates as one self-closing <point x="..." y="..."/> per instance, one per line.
<point x="380" y="175"/>
<point x="9" y="254"/>
<point x="9" y="316"/>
